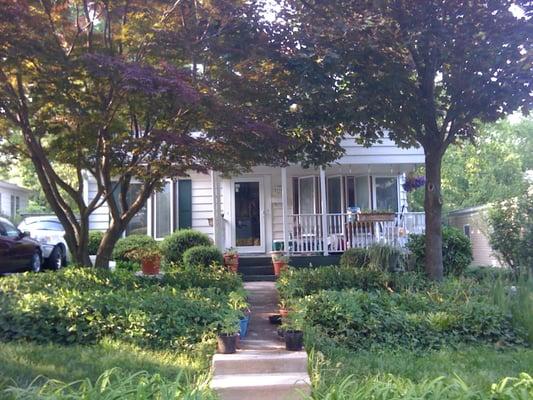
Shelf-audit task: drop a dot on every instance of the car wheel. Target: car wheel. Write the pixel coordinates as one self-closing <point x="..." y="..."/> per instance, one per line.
<point x="57" y="258"/>
<point x="36" y="262"/>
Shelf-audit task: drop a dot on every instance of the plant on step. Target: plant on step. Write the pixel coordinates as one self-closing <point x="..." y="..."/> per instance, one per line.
<point x="227" y="328"/>
<point x="237" y="300"/>
<point x="280" y="262"/>
<point x="293" y="331"/>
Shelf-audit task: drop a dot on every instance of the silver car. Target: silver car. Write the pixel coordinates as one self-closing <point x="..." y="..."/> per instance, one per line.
<point x="49" y="232"/>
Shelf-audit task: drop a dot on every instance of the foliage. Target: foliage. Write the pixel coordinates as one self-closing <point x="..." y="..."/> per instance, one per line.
<point x="175" y="245"/>
<point x="417" y="321"/>
<point x="129" y="243"/>
<point x="296" y="283"/>
<point x="115" y="384"/>
<point x="456" y="249"/>
<point x="511" y="235"/>
<point x="202" y="256"/>
<point x="385" y="257"/>
<point x="84" y="306"/>
<point x="355" y="258"/>
<point x="488" y="274"/>
<point x="95" y="238"/>
<point x="451" y="388"/>
<point x="490" y="170"/>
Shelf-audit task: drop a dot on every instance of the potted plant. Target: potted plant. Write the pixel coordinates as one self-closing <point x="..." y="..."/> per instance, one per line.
<point x="228" y="332"/>
<point x="231" y="259"/>
<point x="376" y="216"/>
<point x="148" y="257"/>
<point x="293" y="333"/>
<point x="280" y="263"/>
<point x="237" y="302"/>
<point x="283" y="308"/>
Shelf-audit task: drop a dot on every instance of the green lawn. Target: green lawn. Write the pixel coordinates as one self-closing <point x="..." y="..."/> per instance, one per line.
<point x="22" y="362"/>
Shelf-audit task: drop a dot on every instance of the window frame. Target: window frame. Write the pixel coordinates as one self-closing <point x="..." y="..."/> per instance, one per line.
<point x="171" y="210"/>
<point x="374" y="191"/>
<point x="342" y="189"/>
<point x="313" y="178"/>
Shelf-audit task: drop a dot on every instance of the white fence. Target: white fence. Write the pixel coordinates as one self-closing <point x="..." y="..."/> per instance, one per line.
<point x="306" y="234"/>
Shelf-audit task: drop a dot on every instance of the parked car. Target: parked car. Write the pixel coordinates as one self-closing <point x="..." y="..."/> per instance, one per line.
<point x="49" y="232"/>
<point x="17" y="250"/>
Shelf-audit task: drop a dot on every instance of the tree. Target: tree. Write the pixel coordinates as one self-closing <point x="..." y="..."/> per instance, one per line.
<point x="490" y="169"/>
<point x="134" y="91"/>
<point x="423" y="72"/>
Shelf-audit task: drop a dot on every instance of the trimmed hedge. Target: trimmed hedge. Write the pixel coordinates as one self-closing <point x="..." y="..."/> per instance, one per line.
<point x="95" y="238"/>
<point x="174" y="246"/>
<point x="456" y="251"/>
<point x="129" y="243"/>
<point x="202" y="256"/>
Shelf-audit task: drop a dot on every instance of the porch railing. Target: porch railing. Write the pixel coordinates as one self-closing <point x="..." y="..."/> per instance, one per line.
<point x="343" y="232"/>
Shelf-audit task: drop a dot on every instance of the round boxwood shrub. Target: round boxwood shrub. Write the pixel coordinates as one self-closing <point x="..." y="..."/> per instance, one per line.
<point x="95" y="238"/>
<point x="456" y="251"/>
<point x="202" y="256"/>
<point x="129" y="243"/>
<point x="355" y="258"/>
<point x="176" y="244"/>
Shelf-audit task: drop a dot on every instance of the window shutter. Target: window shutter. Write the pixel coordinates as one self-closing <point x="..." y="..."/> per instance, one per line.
<point x="184" y="203"/>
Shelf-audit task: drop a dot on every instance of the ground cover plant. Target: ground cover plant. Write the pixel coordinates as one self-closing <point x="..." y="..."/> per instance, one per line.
<point x="78" y="324"/>
<point x="401" y="336"/>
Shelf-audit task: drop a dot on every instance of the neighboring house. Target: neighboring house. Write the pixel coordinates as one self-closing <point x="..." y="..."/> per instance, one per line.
<point x="13" y="199"/>
<point x="305" y="211"/>
<point x="473" y="222"/>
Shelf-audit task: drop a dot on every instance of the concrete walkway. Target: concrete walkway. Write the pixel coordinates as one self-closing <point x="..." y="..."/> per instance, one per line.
<point x="262" y="369"/>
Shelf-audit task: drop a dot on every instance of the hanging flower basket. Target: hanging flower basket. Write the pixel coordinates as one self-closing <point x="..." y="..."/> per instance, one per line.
<point x="413" y="182"/>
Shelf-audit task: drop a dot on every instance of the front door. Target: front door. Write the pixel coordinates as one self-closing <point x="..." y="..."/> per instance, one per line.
<point x="248" y="222"/>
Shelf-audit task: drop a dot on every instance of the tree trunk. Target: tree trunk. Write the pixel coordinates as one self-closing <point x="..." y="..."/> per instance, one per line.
<point x="433" y="210"/>
<point x="105" y="250"/>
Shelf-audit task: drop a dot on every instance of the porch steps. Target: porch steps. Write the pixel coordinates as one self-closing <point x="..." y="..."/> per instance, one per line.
<point x="256" y="269"/>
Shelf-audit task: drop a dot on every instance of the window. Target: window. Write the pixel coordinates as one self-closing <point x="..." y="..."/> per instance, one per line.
<point x="335" y="195"/>
<point x="163" y="220"/>
<point x="139" y="223"/>
<point x="466" y="230"/>
<point x="386" y="193"/>
<point x="350" y="191"/>
<point x="8" y="229"/>
<point x="362" y="195"/>
<point x="307" y="195"/>
<point x="15" y="206"/>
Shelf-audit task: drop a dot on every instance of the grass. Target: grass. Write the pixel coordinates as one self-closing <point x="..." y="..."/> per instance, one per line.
<point x="23" y="362"/>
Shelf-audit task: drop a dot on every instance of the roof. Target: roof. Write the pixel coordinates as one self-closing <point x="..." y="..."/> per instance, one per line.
<point x="469" y="210"/>
<point x="12" y="186"/>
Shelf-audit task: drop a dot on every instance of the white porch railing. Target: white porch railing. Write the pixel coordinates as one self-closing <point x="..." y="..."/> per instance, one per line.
<point x="343" y="232"/>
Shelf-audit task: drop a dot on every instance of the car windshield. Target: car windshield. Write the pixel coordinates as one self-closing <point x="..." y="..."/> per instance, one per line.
<point x="43" y="225"/>
<point x="8" y="229"/>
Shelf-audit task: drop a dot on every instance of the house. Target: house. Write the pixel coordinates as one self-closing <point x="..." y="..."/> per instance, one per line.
<point x="13" y="199"/>
<point x="473" y="222"/>
<point x="298" y="210"/>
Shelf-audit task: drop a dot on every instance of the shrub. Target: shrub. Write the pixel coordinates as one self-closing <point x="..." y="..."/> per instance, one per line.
<point x="176" y="244"/>
<point x="296" y="283"/>
<point x="95" y="238"/>
<point x="355" y="258"/>
<point x="512" y="231"/>
<point x="385" y="257"/>
<point x="129" y="243"/>
<point x="202" y="256"/>
<point x="456" y="251"/>
<point x="412" y="320"/>
<point x="84" y="306"/>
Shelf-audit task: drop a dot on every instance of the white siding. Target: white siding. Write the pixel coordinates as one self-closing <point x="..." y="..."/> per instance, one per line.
<point x="380" y="153"/>
<point x="7" y="190"/>
<point x="202" y="203"/>
<point x="99" y="219"/>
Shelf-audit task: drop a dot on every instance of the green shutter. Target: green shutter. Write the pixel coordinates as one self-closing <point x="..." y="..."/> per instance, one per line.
<point x="184" y="203"/>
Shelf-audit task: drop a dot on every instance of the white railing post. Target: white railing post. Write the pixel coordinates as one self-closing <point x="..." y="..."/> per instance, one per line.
<point x="284" y="209"/>
<point x="324" y="206"/>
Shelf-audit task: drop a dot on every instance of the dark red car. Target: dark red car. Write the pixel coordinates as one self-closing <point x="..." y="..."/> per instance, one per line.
<point x="17" y="251"/>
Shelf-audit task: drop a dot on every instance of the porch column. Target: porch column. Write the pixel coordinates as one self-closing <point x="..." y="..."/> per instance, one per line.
<point x="324" y="207"/>
<point x="215" y="196"/>
<point x="284" y="209"/>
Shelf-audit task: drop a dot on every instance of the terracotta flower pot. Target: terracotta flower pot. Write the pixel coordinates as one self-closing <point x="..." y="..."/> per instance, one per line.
<point x="283" y="312"/>
<point x="279" y="266"/>
<point x="232" y="263"/>
<point x="151" y="266"/>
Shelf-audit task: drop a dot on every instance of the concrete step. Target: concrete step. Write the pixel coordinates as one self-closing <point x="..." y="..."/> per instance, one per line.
<point x="259" y="362"/>
<point x="259" y="278"/>
<point x="257" y="270"/>
<point x="284" y="386"/>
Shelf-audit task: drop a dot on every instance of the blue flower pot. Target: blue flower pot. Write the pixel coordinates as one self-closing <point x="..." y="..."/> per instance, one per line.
<point x="243" y="322"/>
